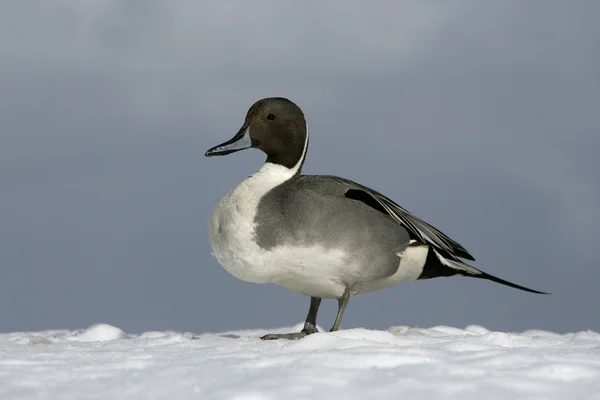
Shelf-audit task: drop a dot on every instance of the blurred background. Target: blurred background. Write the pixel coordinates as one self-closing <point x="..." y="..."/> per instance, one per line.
<point x="483" y="118"/>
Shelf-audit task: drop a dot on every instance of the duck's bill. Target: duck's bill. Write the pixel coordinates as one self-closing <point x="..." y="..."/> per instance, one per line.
<point x="241" y="141"/>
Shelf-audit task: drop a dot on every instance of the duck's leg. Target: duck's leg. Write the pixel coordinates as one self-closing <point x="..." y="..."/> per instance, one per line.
<point x="342" y="303"/>
<point x="310" y="325"/>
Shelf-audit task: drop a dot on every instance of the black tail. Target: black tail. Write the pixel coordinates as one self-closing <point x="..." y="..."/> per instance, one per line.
<point x="439" y="263"/>
<point x="492" y="278"/>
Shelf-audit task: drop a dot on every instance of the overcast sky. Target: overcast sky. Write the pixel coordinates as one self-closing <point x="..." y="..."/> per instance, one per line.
<point x="483" y="118"/>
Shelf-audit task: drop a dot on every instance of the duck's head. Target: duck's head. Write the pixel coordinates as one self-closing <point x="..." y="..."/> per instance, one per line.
<point x="274" y="125"/>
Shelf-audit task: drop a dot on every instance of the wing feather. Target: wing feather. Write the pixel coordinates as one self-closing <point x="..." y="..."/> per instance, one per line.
<point x="423" y="231"/>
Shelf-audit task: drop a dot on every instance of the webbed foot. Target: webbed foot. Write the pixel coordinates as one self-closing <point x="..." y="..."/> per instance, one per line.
<point x="309" y="329"/>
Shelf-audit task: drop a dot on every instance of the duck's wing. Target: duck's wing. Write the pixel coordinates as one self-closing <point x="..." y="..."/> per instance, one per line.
<point x="418" y="229"/>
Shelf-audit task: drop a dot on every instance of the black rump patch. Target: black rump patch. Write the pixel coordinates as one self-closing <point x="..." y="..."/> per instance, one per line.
<point x="434" y="268"/>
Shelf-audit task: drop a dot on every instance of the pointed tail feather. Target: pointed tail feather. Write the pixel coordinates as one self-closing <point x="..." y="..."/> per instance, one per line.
<point x="465" y="269"/>
<point x="493" y="278"/>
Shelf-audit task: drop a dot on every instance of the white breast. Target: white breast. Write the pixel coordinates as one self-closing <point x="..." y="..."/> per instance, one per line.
<point x="231" y="228"/>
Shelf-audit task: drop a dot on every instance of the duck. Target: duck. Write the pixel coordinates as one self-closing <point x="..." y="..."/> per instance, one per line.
<point x="322" y="236"/>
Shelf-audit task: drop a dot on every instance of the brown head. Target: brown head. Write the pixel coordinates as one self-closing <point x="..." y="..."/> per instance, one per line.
<point x="274" y="125"/>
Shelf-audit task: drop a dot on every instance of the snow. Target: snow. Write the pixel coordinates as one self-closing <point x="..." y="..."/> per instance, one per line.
<point x="103" y="362"/>
<point x="99" y="333"/>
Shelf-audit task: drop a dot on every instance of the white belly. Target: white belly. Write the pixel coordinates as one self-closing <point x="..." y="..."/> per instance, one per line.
<point x="230" y="234"/>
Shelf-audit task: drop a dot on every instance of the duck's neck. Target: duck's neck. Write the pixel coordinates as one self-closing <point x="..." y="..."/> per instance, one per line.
<point x="251" y="190"/>
<point x="281" y="169"/>
<point x="288" y="148"/>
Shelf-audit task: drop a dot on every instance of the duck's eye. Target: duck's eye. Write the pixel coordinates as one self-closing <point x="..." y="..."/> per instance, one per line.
<point x="271" y="117"/>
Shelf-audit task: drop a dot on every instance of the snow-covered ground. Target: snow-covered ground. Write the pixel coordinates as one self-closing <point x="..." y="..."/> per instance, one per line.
<point x="103" y="362"/>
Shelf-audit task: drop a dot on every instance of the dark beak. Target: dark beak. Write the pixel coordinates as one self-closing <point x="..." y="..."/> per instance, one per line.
<point x="241" y="141"/>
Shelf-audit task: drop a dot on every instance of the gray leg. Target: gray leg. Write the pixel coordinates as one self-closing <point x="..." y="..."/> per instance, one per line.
<point x="342" y="303"/>
<point x="310" y="325"/>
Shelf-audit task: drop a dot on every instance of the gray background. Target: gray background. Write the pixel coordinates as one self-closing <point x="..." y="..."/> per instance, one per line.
<point x="483" y="118"/>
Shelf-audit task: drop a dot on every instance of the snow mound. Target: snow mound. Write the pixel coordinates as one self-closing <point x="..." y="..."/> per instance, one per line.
<point x="102" y="361"/>
<point x="99" y="333"/>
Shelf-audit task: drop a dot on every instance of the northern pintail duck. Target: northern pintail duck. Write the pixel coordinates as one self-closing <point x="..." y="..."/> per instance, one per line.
<point x="318" y="235"/>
